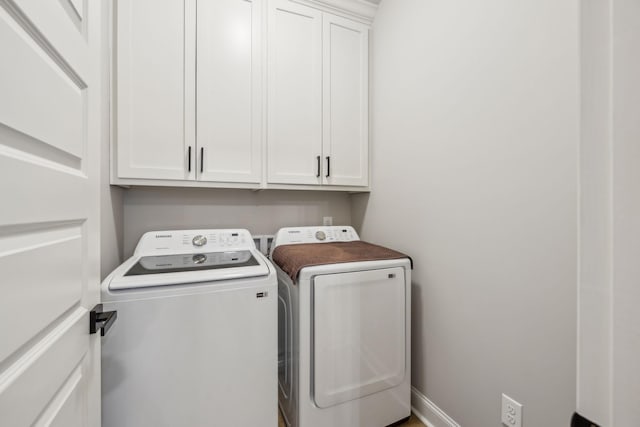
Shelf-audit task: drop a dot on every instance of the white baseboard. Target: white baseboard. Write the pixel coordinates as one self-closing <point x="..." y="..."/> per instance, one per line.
<point x="428" y="412"/>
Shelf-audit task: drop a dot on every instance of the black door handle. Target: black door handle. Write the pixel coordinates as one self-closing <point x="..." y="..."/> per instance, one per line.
<point x="318" y="159"/>
<point x="189" y="155"/>
<point x="328" y="166"/>
<point x="201" y="159"/>
<point x="101" y="320"/>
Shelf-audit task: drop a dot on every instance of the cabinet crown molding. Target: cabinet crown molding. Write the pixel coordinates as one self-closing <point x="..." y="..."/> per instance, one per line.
<point x="360" y="10"/>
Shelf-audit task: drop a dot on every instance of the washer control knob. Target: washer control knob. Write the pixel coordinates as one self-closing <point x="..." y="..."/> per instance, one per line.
<point x="320" y="235"/>
<point x="199" y="258"/>
<point x="199" y="240"/>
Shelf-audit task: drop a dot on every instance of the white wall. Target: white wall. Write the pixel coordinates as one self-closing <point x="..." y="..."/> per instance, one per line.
<point x="261" y="212"/>
<point x="594" y="299"/>
<point x="475" y="109"/>
<point x="111" y="229"/>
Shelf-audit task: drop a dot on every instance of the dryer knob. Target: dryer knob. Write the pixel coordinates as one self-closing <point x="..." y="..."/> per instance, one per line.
<point x="320" y="235"/>
<point x="199" y="240"/>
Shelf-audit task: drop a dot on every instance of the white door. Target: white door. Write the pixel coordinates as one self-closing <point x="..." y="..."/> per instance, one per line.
<point x="49" y="217"/>
<point x="345" y="106"/>
<point x="155" y="79"/>
<point x="229" y="91"/>
<point x="294" y="125"/>
<point x="358" y="334"/>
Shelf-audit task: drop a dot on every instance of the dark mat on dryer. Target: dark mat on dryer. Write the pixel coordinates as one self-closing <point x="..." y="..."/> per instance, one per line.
<point x="293" y="258"/>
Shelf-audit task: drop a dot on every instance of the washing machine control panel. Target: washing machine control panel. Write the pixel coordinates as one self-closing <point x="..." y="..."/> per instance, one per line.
<point x="195" y="241"/>
<point x="320" y="234"/>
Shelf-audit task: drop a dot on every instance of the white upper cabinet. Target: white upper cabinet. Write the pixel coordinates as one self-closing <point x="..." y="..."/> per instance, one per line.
<point x="150" y="94"/>
<point x="188" y="97"/>
<point x="318" y="98"/>
<point x="228" y="129"/>
<point x="241" y="93"/>
<point x="346" y="102"/>
<point x="295" y="94"/>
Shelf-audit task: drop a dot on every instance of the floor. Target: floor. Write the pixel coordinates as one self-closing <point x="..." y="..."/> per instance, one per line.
<point x="413" y="422"/>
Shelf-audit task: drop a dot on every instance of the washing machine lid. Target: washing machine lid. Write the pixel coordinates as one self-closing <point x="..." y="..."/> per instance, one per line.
<point x="176" y="269"/>
<point x="163" y="264"/>
<point x="177" y="257"/>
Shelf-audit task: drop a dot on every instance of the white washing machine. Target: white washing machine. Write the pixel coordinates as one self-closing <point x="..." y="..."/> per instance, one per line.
<point x="195" y="341"/>
<point x="343" y="330"/>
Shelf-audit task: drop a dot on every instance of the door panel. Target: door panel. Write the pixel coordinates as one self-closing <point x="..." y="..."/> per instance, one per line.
<point x="52" y="22"/>
<point x="78" y="7"/>
<point x="294" y="134"/>
<point x="49" y="221"/>
<point x="150" y="81"/>
<point x="61" y="129"/>
<point x="66" y="408"/>
<point x="44" y="369"/>
<point x="358" y="334"/>
<point x="346" y="88"/>
<point x="57" y="281"/>
<point x="229" y="90"/>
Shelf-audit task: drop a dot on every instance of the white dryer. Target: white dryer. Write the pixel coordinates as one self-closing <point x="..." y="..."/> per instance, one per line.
<point x="195" y="341"/>
<point x="343" y="329"/>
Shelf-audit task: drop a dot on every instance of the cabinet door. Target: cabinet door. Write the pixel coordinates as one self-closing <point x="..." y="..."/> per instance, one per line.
<point x="150" y="78"/>
<point x="346" y="100"/>
<point x="228" y="91"/>
<point x="294" y="135"/>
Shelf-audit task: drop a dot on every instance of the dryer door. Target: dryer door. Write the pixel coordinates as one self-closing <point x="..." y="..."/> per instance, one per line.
<point x="358" y="334"/>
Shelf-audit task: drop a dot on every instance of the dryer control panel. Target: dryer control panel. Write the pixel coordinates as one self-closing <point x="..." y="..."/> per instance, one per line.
<point x="320" y="234"/>
<point x="194" y="241"/>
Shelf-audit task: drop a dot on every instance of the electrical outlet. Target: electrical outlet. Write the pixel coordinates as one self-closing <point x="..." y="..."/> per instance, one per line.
<point x="511" y="412"/>
<point x="327" y="220"/>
